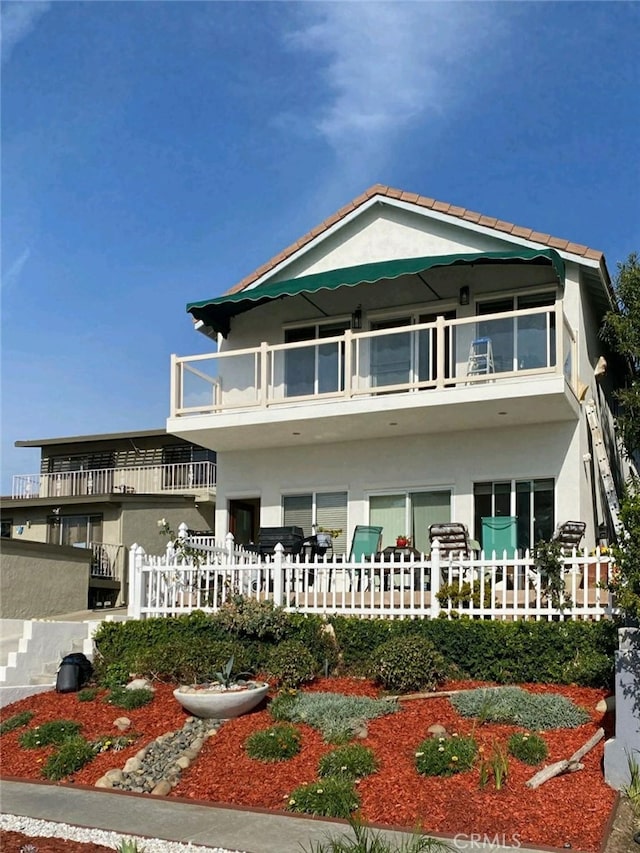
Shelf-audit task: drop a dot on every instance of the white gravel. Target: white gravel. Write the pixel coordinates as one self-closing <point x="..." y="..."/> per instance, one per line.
<point x="34" y="827"/>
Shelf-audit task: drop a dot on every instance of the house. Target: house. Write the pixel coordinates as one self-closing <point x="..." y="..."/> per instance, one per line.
<point x="409" y="362"/>
<point x="105" y="493"/>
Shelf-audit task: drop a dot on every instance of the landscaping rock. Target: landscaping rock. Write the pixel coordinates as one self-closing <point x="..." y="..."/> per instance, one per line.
<point x="140" y="684"/>
<point x="156" y="768"/>
<point x="437" y="730"/>
<point x="122" y="724"/>
<point x="605" y="705"/>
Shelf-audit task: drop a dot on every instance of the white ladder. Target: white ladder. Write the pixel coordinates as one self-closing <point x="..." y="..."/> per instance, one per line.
<point x="603" y="465"/>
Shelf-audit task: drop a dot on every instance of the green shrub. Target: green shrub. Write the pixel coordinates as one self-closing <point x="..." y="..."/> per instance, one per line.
<point x="352" y="761"/>
<point x="528" y="747"/>
<point x="88" y="694"/>
<point x="253" y="619"/>
<point x="73" y="754"/>
<point x="330" y="797"/>
<point x="488" y="650"/>
<point x="181" y="661"/>
<point x="519" y="707"/>
<point x="16" y="722"/>
<point x="338" y="717"/>
<point x="129" y="699"/>
<point x="291" y="664"/>
<point x="278" y="743"/>
<point x="55" y="731"/>
<point x="408" y="663"/>
<point x="445" y="756"/>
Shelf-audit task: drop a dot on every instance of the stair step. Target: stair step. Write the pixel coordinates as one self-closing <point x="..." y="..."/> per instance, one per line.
<point x="42" y="679"/>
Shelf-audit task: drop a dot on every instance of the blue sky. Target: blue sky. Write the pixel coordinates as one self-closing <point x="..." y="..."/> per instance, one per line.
<point x="155" y="153"/>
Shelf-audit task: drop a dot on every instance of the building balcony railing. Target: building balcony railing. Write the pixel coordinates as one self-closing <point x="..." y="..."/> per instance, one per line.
<point x="444" y="354"/>
<point x="154" y="479"/>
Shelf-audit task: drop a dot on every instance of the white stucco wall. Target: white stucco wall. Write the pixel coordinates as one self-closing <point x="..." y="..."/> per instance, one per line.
<point x="455" y="461"/>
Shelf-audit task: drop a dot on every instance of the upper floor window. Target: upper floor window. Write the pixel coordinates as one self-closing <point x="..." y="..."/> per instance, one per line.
<point x="81" y="462"/>
<point x="5" y="528"/>
<point x="524" y="342"/>
<point x="317" y="368"/>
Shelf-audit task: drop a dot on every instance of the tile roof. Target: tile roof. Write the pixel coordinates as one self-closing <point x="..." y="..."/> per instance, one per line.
<point x="420" y="201"/>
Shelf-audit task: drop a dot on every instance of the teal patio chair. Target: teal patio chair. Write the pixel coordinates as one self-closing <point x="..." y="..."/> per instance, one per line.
<point x="366" y="542"/>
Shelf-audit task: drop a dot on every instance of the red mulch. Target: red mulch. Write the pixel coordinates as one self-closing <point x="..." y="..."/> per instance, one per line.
<point x="570" y="810"/>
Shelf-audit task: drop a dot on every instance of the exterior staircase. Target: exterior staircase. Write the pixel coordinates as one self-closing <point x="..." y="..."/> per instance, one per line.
<point x="31" y="651"/>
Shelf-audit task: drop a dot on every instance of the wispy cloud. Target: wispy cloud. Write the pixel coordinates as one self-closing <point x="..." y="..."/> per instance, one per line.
<point x="18" y="19"/>
<point x="12" y="275"/>
<point x="384" y="65"/>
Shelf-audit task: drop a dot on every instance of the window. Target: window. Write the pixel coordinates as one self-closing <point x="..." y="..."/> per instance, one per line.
<point x="324" y="509"/>
<point x="410" y="513"/>
<point x="520" y="343"/>
<point x="316" y="369"/>
<point x="530" y="502"/>
<point x="75" y="530"/>
<point x="5" y="528"/>
<point x="81" y="462"/>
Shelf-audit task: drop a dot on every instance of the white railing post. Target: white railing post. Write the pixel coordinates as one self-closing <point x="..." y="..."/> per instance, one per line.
<point x="263" y="396"/>
<point x="183" y="530"/>
<point x="174" y="404"/>
<point x="229" y="542"/>
<point x="348" y="363"/>
<point x="136" y="556"/>
<point x="435" y="578"/>
<point x="440" y="351"/>
<point x="278" y="585"/>
<point x="559" y="332"/>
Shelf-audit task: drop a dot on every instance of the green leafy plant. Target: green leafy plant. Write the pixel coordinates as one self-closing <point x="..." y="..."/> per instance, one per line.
<point x="129" y="699"/>
<point x="353" y="761"/>
<point x="547" y="559"/>
<point x="462" y="595"/>
<point x="224" y="676"/>
<point x="278" y="743"/>
<point x="408" y="663"/>
<point x="445" y="756"/>
<point x="17" y="721"/>
<point x="632" y="789"/>
<point x="52" y="732"/>
<point x="338" y="717"/>
<point x="367" y="840"/>
<point x="88" y="694"/>
<point x="291" y="664"/>
<point x="330" y="797"/>
<point x="72" y="755"/>
<point x="528" y="747"/>
<point x="519" y="707"/>
<point x="115" y="675"/>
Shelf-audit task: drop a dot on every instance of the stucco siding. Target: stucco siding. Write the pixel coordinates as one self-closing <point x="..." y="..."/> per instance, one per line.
<point x="39" y="581"/>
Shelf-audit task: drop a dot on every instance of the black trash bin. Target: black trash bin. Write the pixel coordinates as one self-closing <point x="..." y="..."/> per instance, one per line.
<point x="74" y="671"/>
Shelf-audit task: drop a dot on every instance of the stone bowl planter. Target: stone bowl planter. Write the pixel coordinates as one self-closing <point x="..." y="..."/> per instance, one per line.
<point x="218" y="702"/>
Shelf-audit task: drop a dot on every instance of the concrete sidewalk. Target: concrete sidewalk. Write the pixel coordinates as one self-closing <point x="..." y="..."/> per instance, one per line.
<point x="171" y="820"/>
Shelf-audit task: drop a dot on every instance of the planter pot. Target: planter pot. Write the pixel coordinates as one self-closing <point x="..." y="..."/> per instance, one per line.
<point x="221" y="704"/>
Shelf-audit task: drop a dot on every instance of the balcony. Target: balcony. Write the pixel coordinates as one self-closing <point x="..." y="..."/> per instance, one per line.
<point x="156" y="479"/>
<point x="449" y="374"/>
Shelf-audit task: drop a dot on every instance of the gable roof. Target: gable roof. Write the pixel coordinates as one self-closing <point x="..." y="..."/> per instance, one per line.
<point x="421" y="201"/>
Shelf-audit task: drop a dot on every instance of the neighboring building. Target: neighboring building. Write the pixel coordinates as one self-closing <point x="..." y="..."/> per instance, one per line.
<point x="107" y="492"/>
<point x="408" y="362"/>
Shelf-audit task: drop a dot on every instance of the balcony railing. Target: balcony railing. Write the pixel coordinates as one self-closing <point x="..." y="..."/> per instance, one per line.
<point x="155" y="479"/>
<point x="436" y="355"/>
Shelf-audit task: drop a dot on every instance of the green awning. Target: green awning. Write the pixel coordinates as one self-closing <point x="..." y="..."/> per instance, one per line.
<point x="217" y="313"/>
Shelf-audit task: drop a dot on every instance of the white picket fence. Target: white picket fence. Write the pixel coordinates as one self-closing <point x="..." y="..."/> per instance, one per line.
<point x="505" y="588"/>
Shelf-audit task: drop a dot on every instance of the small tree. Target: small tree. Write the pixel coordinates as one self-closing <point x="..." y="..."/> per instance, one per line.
<point x="621" y="329"/>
